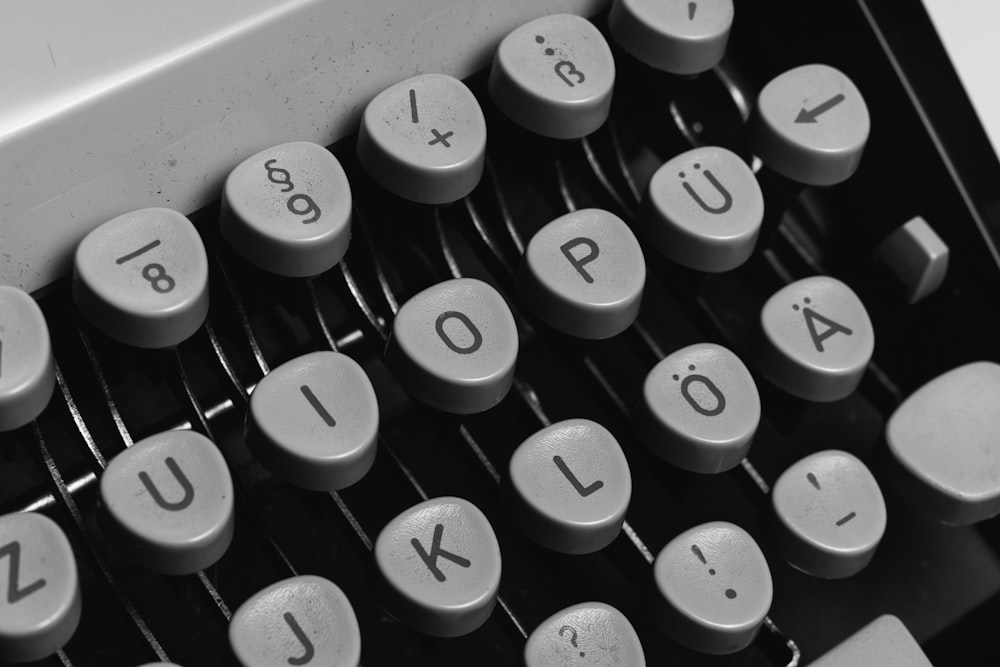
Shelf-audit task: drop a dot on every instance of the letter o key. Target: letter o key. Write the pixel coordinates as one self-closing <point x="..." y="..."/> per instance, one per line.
<point x="453" y="346"/>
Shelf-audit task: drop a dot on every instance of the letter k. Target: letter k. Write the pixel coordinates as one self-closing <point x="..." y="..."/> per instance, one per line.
<point x="430" y="559"/>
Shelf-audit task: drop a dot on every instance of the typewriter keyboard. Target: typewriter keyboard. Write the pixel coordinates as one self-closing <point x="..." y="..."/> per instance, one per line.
<point x="663" y="341"/>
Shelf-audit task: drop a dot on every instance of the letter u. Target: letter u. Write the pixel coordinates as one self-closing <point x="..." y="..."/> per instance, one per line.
<point x="181" y="479"/>
<point x="727" y="199"/>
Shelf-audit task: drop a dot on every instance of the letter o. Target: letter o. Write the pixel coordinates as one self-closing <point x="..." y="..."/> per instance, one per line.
<point x="720" y="400"/>
<point x="477" y="337"/>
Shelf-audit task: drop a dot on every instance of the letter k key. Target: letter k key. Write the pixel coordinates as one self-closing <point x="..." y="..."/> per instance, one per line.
<point x="430" y="558"/>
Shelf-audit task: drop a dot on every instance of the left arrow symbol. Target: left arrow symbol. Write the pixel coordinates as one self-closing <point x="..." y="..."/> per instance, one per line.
<point x="810" y="115"/>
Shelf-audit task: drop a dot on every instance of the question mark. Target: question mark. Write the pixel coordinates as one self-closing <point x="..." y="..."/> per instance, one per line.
<point x="572" y="639"/>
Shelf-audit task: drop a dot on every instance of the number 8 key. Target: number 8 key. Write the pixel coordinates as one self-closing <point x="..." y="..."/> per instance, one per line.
<point x="142" y="278"/>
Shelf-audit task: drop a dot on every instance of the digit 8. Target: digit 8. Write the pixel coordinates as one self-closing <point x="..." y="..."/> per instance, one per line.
<point x="157" y="275"/>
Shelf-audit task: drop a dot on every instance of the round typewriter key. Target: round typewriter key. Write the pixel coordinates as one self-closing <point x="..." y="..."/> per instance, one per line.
<point x="453" y="346"/>
<point x="569" y="486"/>
<point x="583" y="274"/>
<point x="40" y="598"/>
<point x="142" y="278"/>
<point x="942" y="441"/>
<point x="699" y="409"/>
<point x="554" y="76"/>
<point x="885" y="642"/>
<point x="811" y="124"/>
<point x="439" y="567"/>
<point x="830" y="515"/>
<point x="713" y="588"/>
<point x="589" y="633"/>
<point x="168" y="502"/>
<point x="675" y="37"/>
<point x="26" y="367"/>
<point x="287" y="209"/>
<point x="314" y="421"/>
<point x="703" y="210"/>
<point x="304" y="620"/>
<point x="424" y="139"/>
<point x="815" y="340"/>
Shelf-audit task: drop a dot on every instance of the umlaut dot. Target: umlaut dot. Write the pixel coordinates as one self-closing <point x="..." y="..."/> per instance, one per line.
<point x="730" y="593"/>
<point x="550" y="52"/>
<point x="539" y="39"/>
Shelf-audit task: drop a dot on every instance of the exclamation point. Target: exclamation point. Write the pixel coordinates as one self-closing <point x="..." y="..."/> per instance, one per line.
<point x="692" y="8"/>
<point x="730" y="593"/>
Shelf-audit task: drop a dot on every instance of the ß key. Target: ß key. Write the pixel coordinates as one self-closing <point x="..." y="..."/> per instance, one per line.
<point x="142" y="278"/>
<point x="829" y="514"/>
<point x="712" y="588"/>
<point x="439" y="567"/>
<point x="454" y="345"/>
<point x="583" y="274"/>
<point x="816" y="339"/>
<point x="703" y="210"/>
<point x="26" y="367"/>
<point x="305" y="620"/>
<point x="168" y="502"/>
<point x="288" y="209"/>
<point x="569" y="487"/>
<point x="811" y="124"/>
<point x="944" y="456"/>
<point x="671" y="35"/>
<point x="699" y="409"/>
<point x="589" y="633"/>
<point x="314" y="421"/>
<point x="40" y="596"/>
<point x="424" y="139"/>
<point x="554" y="76"/>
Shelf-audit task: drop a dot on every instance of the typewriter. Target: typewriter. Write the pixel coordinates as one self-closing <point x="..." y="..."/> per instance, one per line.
<point x="561" y="332"/>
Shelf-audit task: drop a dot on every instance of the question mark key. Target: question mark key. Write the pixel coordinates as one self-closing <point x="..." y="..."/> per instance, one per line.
<point x="287" y="210"/>
<point x="712" y="588"/>
<point x="699" y="409"/>
<point x="589" y="633"/>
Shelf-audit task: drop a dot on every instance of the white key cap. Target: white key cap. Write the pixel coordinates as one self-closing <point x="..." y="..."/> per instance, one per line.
<point x="26" y="367"/>
<point x="830" y="515"/>
<point x="305" y="620"/>
<point x="699" y="409"/>
<point x="288" y="209"/>
<point x="454" y="346"/>
<point x="917" y="256"/>
<point x="583" y="274"/>
<point x="945" y="456"/>
<point x="39" y="590"/>
<point x="314" y="421"/>
<point x="673" y="35"/>
<point x="554" y="76"/>
<point x="703" y="210"/>
<point x="570" y="486"/>
<point x="884" y="642"/>
<point x="816" y="339"/>
<point x="424" y="139"/>
<point x="714" y="588"/>
<point x="811" y="124"/>
<point x="439" y="567"/>
<point x="168" y="501"/>
<point x="589" y="633"/>
<point x="142" y="278"/>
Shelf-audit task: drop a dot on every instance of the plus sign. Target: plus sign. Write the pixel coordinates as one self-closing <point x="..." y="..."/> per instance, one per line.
<point x="440" y="138"/>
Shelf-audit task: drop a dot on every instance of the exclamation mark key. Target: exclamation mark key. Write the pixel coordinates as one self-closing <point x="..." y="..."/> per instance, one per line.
<point x="712" y="588"/>
<point x="675" y="36"/>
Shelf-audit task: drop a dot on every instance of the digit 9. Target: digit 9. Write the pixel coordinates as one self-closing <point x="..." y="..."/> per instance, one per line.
<point x="310" y="207"/>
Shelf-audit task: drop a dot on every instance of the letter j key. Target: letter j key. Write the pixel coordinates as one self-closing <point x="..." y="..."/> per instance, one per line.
<point x="453" y="346"/>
